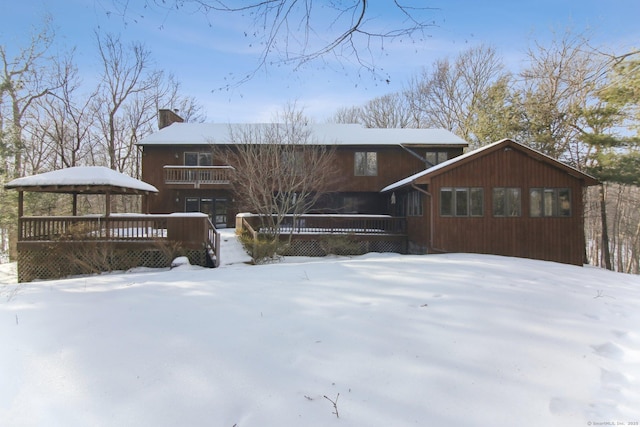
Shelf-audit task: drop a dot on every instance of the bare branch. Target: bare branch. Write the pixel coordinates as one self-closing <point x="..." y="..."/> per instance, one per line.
<point x="296" y="32"/>
<point x="279" y="169"/>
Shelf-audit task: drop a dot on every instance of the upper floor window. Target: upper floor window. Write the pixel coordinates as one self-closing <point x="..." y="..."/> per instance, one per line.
<point x="435" y="157"/>
<point x="195" y="158"/>
<point x="507" y="201"/>
<point x="461" y="201"/>
<point x="366" y="163"/>
<point x="292" y="163"/>
<point x="550" y="202"/>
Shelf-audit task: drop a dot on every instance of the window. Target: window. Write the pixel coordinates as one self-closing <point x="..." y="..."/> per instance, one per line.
<point x="197" y="159"/>
<point x="461" y="201"/>
<point x="414" y="204"/>
<point x="476" y="201"/>
<point x="446" y="202"/>
<point x="192" y="204"/>
<point x="191" y="159"/>
<point x="550" y="202"/>
<point x="366" y="163"/>
<point x="507" y="201"/>
<point x="291" y="163"/>
<point x="435" y="157"/>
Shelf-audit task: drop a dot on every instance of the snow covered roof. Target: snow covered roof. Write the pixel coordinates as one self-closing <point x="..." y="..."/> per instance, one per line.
<point x="479" y="151"/>
<point x="328" y="133"/>
<point x="82" y="179"/>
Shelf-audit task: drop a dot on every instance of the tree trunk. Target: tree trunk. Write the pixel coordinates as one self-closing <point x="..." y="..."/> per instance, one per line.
<point x="605" y="233"/>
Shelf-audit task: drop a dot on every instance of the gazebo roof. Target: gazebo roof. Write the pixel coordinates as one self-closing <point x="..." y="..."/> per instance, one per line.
<point x="82" y="180"/>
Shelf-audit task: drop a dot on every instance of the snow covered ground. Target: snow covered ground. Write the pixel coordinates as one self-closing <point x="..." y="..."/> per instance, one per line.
<point x="393" y="340"/>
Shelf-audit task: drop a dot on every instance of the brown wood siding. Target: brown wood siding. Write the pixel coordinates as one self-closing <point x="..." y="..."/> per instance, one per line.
<point x="554" y="239"/>
<point x="153" y="161"/>
<point x="417" y="233"/>
<point x="394" y="164"/>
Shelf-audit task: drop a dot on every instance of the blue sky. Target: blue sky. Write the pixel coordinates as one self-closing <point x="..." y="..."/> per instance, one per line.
<point x="201" y="51"/>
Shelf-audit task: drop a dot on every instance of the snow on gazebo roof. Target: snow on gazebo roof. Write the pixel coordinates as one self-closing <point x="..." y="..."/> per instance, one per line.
<point x="82" y="179"/>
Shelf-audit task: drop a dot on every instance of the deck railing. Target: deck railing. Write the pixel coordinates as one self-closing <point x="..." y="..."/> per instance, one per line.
<point x="191" y="230"/>
<point x="213" y="243"/>
<point x="55" y="247"/>
<point x="336" y="224"/>
<point x="319" y="235"/>
<point x="68" y="228"/>
<point x="197" y="175"/>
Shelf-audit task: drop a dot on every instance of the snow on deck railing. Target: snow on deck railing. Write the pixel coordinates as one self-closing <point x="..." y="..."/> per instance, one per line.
<point x="334" y="224"/>
<point x="197" y="175"/>
<point x="95" y="227"/>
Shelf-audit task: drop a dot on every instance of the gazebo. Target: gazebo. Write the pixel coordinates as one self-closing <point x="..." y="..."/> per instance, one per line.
<point x="58" y="246"/>
<point x="81" y="180"/>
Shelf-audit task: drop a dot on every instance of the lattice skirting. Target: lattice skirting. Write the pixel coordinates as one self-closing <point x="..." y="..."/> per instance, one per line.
<point x="59" y="260"/>
<point x="323" y="247"/>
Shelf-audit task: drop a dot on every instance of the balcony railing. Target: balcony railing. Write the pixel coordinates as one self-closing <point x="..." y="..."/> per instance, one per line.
<point x="197" y="175"/>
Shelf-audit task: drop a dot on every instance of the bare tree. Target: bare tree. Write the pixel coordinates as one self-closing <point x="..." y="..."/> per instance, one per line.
<point x="127" y="101"/>
<point x="557" y="86"/>
<point x="619" y="251"/>
<point x="295" y="32"/>
<point x="347" y="115"/>
<point x="22" y="82"/>
<point x="126" y="84"/>
<point x="389" y="111"/>
<point x="64" y="120"/>
<point x="449" y="95"/>
<point x="171" y="97"/>
<point x="280" y="170"/>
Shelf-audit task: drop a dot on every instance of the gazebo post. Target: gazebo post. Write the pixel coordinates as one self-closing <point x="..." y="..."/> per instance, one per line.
<point x="74" y="204"/>
<point x="20" y="204"/>
<point x="107" y="213"/>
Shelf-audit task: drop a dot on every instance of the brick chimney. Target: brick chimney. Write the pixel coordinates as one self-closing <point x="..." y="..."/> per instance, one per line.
<point x="167" y="117"/>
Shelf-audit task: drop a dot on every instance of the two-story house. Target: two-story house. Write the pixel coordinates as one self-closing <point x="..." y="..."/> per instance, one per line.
<point x="182" y="161"/>
<point x="503" y="199"/>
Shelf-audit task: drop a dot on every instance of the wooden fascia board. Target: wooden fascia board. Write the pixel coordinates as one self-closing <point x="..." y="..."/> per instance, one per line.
<point x="588" y="180"/>
<point x="80" y="189"/>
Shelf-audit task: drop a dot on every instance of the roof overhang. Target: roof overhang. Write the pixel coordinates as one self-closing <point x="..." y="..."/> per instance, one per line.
<point x="82" y="180"/>
<point x="425" y="176"/>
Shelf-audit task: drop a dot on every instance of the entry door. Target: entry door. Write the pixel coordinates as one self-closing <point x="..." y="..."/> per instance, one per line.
<point x="216" y="209"/>
<point x="206" y="206"/>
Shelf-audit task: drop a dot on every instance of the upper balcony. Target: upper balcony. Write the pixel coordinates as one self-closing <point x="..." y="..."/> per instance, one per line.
<point x="197" y="176"/>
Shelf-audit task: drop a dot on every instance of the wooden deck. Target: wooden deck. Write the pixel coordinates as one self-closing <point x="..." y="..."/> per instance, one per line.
<point x="52" y="247"/>
<point x="315" y="234"/>
<point x="45" y="243"/>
